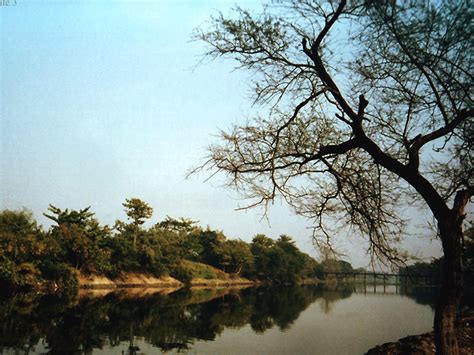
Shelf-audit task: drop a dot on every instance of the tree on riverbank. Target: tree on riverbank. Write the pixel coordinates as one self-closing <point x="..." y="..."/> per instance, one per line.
<point x="369" y="106"/>
<point x="137" y="211"/>
<point x="32" y="259"/>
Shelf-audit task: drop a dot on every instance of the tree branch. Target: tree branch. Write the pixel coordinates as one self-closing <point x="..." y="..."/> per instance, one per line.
<point x="328" y="26"/>
<point x="333" y="149"/>
<point x="420" y="140"/>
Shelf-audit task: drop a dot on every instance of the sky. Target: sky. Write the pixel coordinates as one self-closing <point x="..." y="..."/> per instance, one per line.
<point x="106" y="100"/>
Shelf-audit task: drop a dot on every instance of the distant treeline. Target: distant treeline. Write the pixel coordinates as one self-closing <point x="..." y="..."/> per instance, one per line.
<point x="434" y="269"/>
<point x="31" y="257"/>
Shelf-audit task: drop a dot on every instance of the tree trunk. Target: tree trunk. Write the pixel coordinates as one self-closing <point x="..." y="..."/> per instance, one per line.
<point x="453" y="282"/>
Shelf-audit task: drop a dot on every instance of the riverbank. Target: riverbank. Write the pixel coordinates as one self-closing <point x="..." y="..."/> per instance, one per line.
<point x="424" y="343"/>
<point x="137" y="280"/>
<point x="127" y="280"/>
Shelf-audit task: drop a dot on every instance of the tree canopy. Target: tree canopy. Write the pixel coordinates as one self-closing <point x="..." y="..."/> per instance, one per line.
<point x="137" y="211"/>
<point x="34" y="259"/>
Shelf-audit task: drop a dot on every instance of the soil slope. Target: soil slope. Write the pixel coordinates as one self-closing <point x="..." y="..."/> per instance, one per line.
<point x="424" y="343"/>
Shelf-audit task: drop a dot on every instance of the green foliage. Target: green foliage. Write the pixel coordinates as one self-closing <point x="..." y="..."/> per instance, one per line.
<point x="137" y="210"/>
<point x="18" y="235"/>
<point x="212" y="252"/>
<point x="69" y="217"/>
<point x="157" y="250"/>
<point x="80" y="238"/>
<point x="424" y="272"/>
<point x="21" y="245"/>
<point x="239" y="257"/>
<point x="7" y="272"/>
<point x="24" y="276"/>
<point x="202" y="271"/>
<point x="61" y="273"/>
<point x="178" y="225"/>
<point x="281" y="260"/>
<point x="333" y="265"/>
<point x="182" y="273"/>
<point x="77" y="243"/>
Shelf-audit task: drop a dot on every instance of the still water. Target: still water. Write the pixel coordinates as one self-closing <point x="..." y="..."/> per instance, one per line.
<point x="284" y="320"/>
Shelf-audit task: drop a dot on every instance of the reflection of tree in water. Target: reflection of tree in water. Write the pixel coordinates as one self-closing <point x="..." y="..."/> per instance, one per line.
<point x="27" y="319"/>
<point x="279" y="306"/>
<point x="421" y="295"/>
<point x="71" y="325"/>
<point x="429" y="296"/>
<point x="68" y="324"/>
<point x="17" y="323"/>
<point x="334" y="293"/>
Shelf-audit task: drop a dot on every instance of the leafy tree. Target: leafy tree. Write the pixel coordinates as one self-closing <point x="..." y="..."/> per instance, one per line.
<point x="345" y="266"/>
<point x="137" y="211"/>
<point x="150" y="256"/>
<point x="178" y="238"/>
<point x="278" y="266"/>
<point x="80" y="239"/>
<point x="178" y="225"/>
<point x="370" y="105"/>
<point x="212" y="252"/>
<point x="281" y="261"/>
<point x="315" y="269"/>
<point x="295" y="258"/>
<point x="262" y="241"/>
<point x="241" y="257"/>
<point x="261" y="248"/>
<point x="423" y="271"/>
<point x="18" y="235"/>
<point x="21" y="249"/>
<point x="69" y="217"/>
<point x="124" y="256"/>
<point x="169" y="243"/>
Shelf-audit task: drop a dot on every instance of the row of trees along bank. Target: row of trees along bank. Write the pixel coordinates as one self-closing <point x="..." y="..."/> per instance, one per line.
<point x="77" y="243"/>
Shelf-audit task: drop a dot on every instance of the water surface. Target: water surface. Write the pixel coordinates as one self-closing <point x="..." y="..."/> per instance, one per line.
<point x="278" y="320"/>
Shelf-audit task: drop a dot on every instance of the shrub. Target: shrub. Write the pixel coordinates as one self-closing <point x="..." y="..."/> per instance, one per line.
<point x="181" y="273"/>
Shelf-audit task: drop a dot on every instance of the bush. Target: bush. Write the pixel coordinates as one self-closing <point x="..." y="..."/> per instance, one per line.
<point x="61" y="273"/>
<point x="24" y="276"/>
<point x="8" y="276"/>
<point x="181" y="273"/>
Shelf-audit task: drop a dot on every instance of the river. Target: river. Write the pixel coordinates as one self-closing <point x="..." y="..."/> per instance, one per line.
<point x="265" y="320"/>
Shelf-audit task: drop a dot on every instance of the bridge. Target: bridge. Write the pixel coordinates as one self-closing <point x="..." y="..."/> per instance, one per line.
<point x="383" y="278"/>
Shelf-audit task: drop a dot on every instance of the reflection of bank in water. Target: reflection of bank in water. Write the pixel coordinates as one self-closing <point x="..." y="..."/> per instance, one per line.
<point x="335" y="291"/>
<point x="420" y="293"/>
<point x="142" y="322"/>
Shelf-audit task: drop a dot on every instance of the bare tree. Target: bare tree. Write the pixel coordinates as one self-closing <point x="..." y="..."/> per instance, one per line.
<point x="367" y="104"/>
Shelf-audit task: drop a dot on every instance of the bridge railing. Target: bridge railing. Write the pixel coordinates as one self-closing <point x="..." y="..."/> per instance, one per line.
<point x="385" y="278"/>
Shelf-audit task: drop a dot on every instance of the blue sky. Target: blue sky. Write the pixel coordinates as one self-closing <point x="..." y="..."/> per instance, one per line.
<point x="104" y="100"/>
